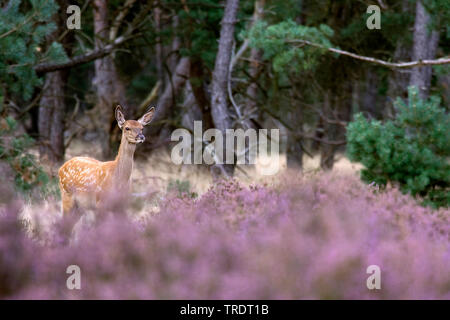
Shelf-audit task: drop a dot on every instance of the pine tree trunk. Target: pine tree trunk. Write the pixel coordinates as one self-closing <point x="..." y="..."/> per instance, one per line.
<point x="159" y="48"/>
<point x="327" y="151"/>
<point x="255" y="58"/>
<point x="51" y="118"/>
<point x="52" y="104"/>
<point x="294" y="150"/>
<point x="424" y="47"/>
<point x="196" y="80"/>
<point x="398" y="79"/>
<point x="110" y="90"/>
<point x="219" y="98"/>
<point x="369" y="96"/>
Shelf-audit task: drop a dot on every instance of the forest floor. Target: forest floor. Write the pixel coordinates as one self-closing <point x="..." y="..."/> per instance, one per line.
<point x="159" y="171"/>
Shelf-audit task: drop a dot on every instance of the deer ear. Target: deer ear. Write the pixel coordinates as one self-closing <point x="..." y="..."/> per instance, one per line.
<point x="119" y="116"/>
<point x="147" y="118"/>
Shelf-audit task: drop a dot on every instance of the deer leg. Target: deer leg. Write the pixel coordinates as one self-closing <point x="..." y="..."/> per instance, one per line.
<point x="68" y="202"/>
<point x="71" y="215"/>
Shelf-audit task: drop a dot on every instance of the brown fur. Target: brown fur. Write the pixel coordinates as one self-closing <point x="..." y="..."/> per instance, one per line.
<point x="84" y="176"/>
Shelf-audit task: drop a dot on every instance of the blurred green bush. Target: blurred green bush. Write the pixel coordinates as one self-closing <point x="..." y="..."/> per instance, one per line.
<point x="412" y="150"/>
<point x="28" y="175"/>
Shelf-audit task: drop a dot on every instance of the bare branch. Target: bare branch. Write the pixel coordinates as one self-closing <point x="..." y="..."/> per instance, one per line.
<point x="84" y="58"/>
<point x="151" y="96"/>
<point x="118" y="20"/>
<point x="403" y="65"/>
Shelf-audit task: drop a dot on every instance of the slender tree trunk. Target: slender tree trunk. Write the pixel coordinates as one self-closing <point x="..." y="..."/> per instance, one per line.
<point x="327" y="151"/>
<point x="294" y="150"/>
<point x="191" y="110"/>
<point x="110" y="90"/>
<point x="159" y="49"/>
<point x="172" y="57"/>
<point x="52" y="103"/>
<point x="255" y="58"/>
<point x="51" y="118"/>
<point x="176" y="44"/>
<point x="398" y="79"/>
<point x="197" y="83"/>
<point x="424" y="47"/>
<point x="369" y="97"/>
<point x="219" y="98"/>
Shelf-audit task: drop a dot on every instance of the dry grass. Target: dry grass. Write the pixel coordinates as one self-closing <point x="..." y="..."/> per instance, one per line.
<point x="152" y="176"/>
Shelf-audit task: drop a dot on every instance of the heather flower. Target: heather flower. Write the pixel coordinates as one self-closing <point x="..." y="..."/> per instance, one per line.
<point x="304" y="237"/>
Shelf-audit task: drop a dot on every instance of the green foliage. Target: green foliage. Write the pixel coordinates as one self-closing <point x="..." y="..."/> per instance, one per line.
<point x="411" y="150"/>
<point x="440" y="14"/>
<point x="200" y="26"/>
<point x="21" y="36"/>
<point x="394" y="29"/>
<point x="13" y="150"/>
<point x="278" y="43"/>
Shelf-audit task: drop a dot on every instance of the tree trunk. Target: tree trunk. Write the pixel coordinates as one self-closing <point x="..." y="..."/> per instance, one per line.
<point x="51" y="118"/>
<point x="219" y="99"/>
<point x="255" y="58"/>
<point x="369" y="97"/>
<point x="294" y="153"/>
<point x="52" y="103"/>
<point x="398" y="79"/>
<point x="327" y="151"/>
<point x="197" y="83"/>
<point x="424" y="47"/>
<point x="191" y="110"/>
<point x="159" y="49"/>
<point x="110" y="90"/>
<point x="294" y="150"/>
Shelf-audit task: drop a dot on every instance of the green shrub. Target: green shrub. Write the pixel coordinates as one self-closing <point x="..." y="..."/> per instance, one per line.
<point x="411" y="151"/>
<point x="28" y="175"/>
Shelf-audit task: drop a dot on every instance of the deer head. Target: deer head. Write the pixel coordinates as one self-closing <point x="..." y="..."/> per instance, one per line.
<point x="132" y="130"/>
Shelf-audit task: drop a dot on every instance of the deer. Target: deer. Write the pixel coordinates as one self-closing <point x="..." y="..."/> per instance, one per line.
<point x="85" y="177"/>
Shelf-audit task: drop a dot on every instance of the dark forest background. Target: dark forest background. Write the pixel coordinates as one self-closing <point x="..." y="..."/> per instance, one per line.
<point x="231" y="64"/>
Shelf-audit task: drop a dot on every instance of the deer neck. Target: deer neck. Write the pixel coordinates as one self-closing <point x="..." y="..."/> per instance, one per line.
<point x="124" y="161"/>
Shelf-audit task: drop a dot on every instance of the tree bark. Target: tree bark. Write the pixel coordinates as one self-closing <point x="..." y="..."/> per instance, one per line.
<point x="327" y="151"/>
<point x="219" y="98"/>
<point x="398" y="79"/>
<point x="424" y="47"/>
<point x="51" y="118"/>
<point x="255" y="58"/>
<point x="191" y="110"/>
<point x="52" y="103"/>
<point x="159" y="48"/>
<point x="197" y="83"/>
<point x="294" y="150"/>
<point x="110" y="89"/>
<point x="369" y="95"/>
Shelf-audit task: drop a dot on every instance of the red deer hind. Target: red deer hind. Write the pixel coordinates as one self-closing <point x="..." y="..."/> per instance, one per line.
<point x="89" y="178"/>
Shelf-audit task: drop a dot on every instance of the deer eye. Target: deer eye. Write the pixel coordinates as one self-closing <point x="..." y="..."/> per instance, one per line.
<point x="126" y="128"/>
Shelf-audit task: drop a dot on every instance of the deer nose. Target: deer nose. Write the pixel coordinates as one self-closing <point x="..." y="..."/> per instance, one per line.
<point x="141" y="137"/>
